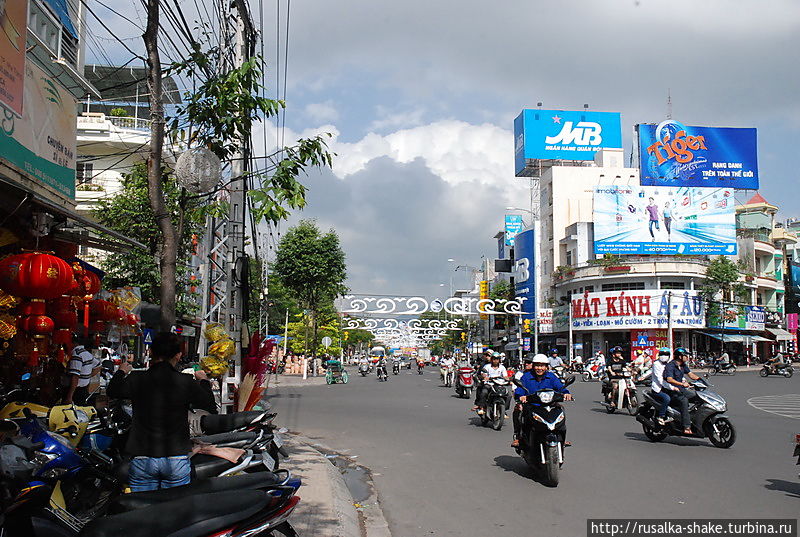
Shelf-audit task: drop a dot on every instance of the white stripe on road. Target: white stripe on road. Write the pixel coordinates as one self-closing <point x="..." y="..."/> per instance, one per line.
<point x="787" y="405"/>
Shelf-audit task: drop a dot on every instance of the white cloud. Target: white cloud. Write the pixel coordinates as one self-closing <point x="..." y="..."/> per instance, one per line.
<point x="398" y="120"/>
<point x="321" y="112"/>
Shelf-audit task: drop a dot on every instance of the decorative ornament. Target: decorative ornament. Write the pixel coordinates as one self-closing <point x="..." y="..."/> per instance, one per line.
<point x="35" y="275"/>
<point x="214" y="366"/>
<point x="198" y="170"/>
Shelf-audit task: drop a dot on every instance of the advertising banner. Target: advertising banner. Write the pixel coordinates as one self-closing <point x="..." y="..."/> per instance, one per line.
<point x="41" y="143"/>
<point x="483" y="288"/>
<point x="13" y="33"/>
<point x="671" y="154"/>
<point x="628" y="310"/>
<point x="739" y="318"/>
<point x="524" y="271"/>
<point x="563" y="135"/>
<point x="545" y="316"/>
<point x="513" y="226"/>
<point x="659" y="220"/>
<point x="648" y="341"/>
<point x="791" y="322"/>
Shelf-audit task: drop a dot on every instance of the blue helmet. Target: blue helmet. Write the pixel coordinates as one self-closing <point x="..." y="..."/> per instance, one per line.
<point x="664" y="351"/>
<point x="680" y="352"/>
<point x="553" y="351"/>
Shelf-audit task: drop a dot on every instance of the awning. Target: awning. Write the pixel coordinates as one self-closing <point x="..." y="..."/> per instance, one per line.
<point x="780" y="334"/>
<point x="737" y="338"/>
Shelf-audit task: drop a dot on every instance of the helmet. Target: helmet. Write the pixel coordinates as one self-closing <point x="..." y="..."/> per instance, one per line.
<point x="638" y="353"/>
<point x="540" y="359"/>
<point x="488" y="351"/>
<point x="496" y="356"/>
<point x="553" y="351"/>
<point x="664" y="351"/>
<point x="528" y="359"/>
<point x="680" y="351"/>
<point x="615" y="350"/>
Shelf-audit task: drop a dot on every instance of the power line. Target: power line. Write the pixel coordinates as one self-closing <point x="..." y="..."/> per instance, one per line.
<point x="111" y="33"/>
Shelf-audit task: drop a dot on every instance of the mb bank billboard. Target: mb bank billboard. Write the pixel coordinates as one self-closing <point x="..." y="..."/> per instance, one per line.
<point x="661" y="220"/>
<point x="563" y="135"/>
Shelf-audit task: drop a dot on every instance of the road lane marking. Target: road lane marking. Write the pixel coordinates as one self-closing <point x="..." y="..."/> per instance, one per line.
<point x="787" y="405"/>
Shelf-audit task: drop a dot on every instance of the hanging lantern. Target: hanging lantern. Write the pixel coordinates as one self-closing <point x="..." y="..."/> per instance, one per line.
<point x="36" y="275"/>
<point x="91" y="283"/>
<point x="198" y="170"/>
<point x="103" y="310"/>
<point x="63" y="336"/>
<point x="133" y="319"/>
<point x="97" y="326"/>
<point x="8" y="326"/>
<point x="8" y="301"/>
<point x="34" y="307"/>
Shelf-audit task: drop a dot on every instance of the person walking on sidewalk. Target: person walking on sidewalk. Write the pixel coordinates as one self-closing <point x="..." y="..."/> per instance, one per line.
<point x="161" y="396"/>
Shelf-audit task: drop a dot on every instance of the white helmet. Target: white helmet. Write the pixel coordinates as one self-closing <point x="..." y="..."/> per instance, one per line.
<point x="540" y="359"/>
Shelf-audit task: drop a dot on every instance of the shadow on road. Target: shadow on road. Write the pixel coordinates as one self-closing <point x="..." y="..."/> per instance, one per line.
<point x="675" y="440"/>
<point x="515" y="464"/>
<point x="791" y="488"/>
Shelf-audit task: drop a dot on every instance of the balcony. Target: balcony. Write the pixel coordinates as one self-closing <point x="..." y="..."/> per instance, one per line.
<point x="635" y="265"/>
<point x="780" y="235"/>
<point x="99" y="122"/>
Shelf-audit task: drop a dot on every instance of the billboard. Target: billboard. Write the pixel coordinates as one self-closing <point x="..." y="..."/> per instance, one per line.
<point x="514" y="225"/>
<point x="629" y="310"/>
<point x="648" y="341"/>
<point x="41" y="143"/>
<point x="545" y="316"/>
<point x="13" y="33"/>
<point x="524" y="271"/>
<point x="663" y="220"/>
<point x="738" y="317"/>
<point x="563" y="135"/>
<point x="672" y="154"/>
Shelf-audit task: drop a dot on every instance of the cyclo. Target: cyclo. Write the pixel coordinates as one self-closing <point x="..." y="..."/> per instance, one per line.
<point x="335" y="372"/>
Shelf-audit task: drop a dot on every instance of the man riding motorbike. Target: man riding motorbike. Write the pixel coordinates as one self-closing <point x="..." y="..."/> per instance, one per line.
<point x="674" y="373"/>
<point x="492" y="370"/>
<point x="615" y="370"/>
<point x="539" y="378"/>
<point x="527" y="367"/>
<point x="445" y="364"/>
<point x="775" y="362"/>
<point x="555" y="360"/>
<point x="660" y="393"/>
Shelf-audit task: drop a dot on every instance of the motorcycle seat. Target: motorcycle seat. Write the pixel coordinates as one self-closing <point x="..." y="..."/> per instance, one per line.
<point x="208" y="466"/>
<point x="191" y="516"/>
<point x="231" y="437"/>
<point x="139" y="500"/>
<point x="220" y="423"/>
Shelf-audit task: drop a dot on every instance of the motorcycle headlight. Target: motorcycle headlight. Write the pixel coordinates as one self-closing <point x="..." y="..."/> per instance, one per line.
<point x="546" y="397"/>
<point x="719" y="406"/>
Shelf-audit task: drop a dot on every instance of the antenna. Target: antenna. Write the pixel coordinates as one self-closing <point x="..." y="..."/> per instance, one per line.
<point x="669" y="104"/>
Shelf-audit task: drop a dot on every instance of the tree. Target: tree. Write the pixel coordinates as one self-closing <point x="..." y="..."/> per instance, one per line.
<point x="277" y="301"/>
<point x="311" y="265"/>
<point x="721" y="282"/>
<point x="129" y="212"/>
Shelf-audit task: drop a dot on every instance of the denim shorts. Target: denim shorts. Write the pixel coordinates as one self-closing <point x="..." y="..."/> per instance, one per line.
<point x="153" y="473"/>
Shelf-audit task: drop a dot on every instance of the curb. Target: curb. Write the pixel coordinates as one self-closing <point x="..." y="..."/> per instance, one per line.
<point x="368" y="516"/>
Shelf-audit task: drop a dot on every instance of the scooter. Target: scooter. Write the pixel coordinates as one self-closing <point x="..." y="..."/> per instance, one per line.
<point x="448" y="373"/>
<point x="643" y="375"/>
<point x="718" y="368"/>
<point x="707" y="411"/>
<point x="465" y="382"/>
<point x="543" y="431"/>
<point x="626" y="394"/>
<point x="592" y="371"/>
<point x="363" y="369"/>
<point x="420" y="367"/>
<point x="784" y="370"/>
<point x="396" y="367"/>
<point x="498" y="399"/>
<point x="381" y="371"/>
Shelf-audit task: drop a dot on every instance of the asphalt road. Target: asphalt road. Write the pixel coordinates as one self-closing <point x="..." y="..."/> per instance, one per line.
<point x="440" y="473"/>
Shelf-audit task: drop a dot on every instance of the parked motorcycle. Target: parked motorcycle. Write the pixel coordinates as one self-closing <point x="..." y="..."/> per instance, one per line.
<point x="707" y="411"/>
<point x="719" y="368"/>
<point x="784" y="370"/>
<point x="464" y="382"/>
<point x="498" y="399"/>
<point x="626" y="394"/>
<point x="543" y="432"/>
<point x="382" y="374"/>
<point x="396" y="367"/>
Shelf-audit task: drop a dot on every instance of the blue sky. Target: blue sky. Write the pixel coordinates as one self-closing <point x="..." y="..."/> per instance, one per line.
<point x="421" y="97"/>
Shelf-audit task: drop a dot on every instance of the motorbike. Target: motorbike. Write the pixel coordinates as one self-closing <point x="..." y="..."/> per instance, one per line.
<point x="626" y="394"/>
<point x="797" y="448"/>
<point x="592" y="371"/>
<point x="543" y="431"/>
<point x="363" y="369"/>
<point x="448" y="372"/>
<point x="719" y="368"/>
<point x="643" y="374"/>
<point x="381" y="372"/>
<point x="498" y="399"/>
<point x="560" y="371"/>
<point x="395" y="367"/>
<point x="707" y="411"/>
<point x="464" y="382"/>
<point x="420" y="366"/>
<point x="785" y="370"/>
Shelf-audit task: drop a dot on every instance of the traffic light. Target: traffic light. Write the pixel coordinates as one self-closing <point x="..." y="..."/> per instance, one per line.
<point x="463" y="336"/>
<point x="526" y="325"/>
<point x="346" y="335"/>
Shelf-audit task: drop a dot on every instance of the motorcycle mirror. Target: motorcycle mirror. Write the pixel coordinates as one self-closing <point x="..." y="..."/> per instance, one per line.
<point x="570" y="379"/>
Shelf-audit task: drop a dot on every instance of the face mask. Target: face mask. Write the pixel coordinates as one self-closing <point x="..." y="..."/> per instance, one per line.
<point x="663" y="359"/>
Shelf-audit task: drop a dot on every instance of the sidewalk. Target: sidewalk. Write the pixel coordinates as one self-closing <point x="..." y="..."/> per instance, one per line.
<point x="326" y="505"/>
<point x="276" y="381"/>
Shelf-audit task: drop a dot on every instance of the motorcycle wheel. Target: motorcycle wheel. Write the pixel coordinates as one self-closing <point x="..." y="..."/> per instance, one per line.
<point x="467" y="393"/>
<point x="633" y="404"/>
<point x="499" y="416"/>
<point x="712" y="371"/>
<point x="586" y="377"/>
<point x="788" y="372"/>
<point x="726" y="436"/>
<point x="732" y="370"/>
<point x="764" y="373"/>
<point x="551" y="467"/>
<point x="345" y="377"/>
<point x="653" y="435"/>
<point x="329" y="379"/>
<point x="283" y="530"/>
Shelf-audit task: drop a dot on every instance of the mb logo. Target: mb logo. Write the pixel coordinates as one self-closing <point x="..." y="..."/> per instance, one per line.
<point x="522" y="270"/>
<point x="584" y="133"/>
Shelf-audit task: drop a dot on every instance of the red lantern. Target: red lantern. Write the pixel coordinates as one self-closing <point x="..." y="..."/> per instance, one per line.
<point x="103" y="310"/>
<point x="66" y="319"/>
<point x="62" y="336"/>
<point x="133" y="319"/>
<point x="36" y="325"/>
<point x="97" y="326"/>
<point x="91" y="283"/>
<point x="35" y="275"/>
<point x="34" y="307"/>
<point x="122" y="316"/>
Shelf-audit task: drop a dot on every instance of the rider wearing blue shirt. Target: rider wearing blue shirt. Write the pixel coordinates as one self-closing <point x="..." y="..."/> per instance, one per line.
<point x="539" y="379"/>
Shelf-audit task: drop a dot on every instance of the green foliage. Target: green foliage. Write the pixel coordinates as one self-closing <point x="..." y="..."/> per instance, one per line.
<point x="302" y="338"/>
<point x="118" y="112"/>
<point x="608" y="260"/>
<point x="501" y="290"/>
<point x="129" y="213"/>
<point x="722" y="276"/>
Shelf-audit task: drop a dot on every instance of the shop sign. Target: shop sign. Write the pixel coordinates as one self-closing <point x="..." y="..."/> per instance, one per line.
<point x="41" y="143"/>
<point x="628" y="310"/>
<point x="740" y="318"/>
<point x="13" y="20"/>
<point x="545" y="316"/>
<point x="791" y="322"/>
<point x="648" y="341"/>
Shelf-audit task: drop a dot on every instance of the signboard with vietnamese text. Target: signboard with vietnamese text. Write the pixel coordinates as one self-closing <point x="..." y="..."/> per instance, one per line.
<point x="514" y="225"/>
<point x="672" y="154"/>
<point x="524" y="272"/>
<point x="545" y="317"/>
<point x="41" y="143"/>
<point x="739" y="318"/>
<point x="13" y="33"/>
<point x="648" y="341"/>
<point x="629" y="310"/>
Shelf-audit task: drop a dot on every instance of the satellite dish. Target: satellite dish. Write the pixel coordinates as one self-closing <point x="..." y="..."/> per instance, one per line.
<point x="198" y="170"/>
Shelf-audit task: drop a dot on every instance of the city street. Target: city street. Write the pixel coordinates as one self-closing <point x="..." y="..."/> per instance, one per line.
<point x="440" y="473"/>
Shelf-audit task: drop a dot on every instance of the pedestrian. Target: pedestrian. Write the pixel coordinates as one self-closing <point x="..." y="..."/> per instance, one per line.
<point x="82" y="366"/>
<point x="159" y="441"/>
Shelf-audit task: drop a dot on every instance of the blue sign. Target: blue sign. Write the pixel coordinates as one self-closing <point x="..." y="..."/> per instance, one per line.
<point x="514" y="225"/>
<point x="671" y="154"/>
<point x="635" y="219"/>
<point x="563" y="135"/>
<point x="525" y="271"/>
<point x="148" y="336"/>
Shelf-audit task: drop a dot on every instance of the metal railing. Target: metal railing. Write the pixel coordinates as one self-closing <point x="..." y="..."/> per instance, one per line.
<point x="130" y="123"/>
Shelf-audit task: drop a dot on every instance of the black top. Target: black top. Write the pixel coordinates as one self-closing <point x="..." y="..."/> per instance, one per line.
<point x="676" y="372"/>
<point x="161" y="398"/>
<point x="616" y="369"/>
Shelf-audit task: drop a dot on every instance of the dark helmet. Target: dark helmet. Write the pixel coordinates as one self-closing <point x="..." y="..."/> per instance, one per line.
<point x="553" y="351"/>
<point x="680" y="352"/>
<point x="528" y="359"/>
<point x="615" y="350"/>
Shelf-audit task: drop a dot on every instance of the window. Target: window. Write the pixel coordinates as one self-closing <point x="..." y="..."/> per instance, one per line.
<point x="84" y="172"/>
<point x="569" y="258"/>
<point x="673" y="285"/>
<point x="630" y="286"/>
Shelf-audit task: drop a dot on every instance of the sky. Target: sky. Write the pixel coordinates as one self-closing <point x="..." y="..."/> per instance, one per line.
<point x="420" y="98"/>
